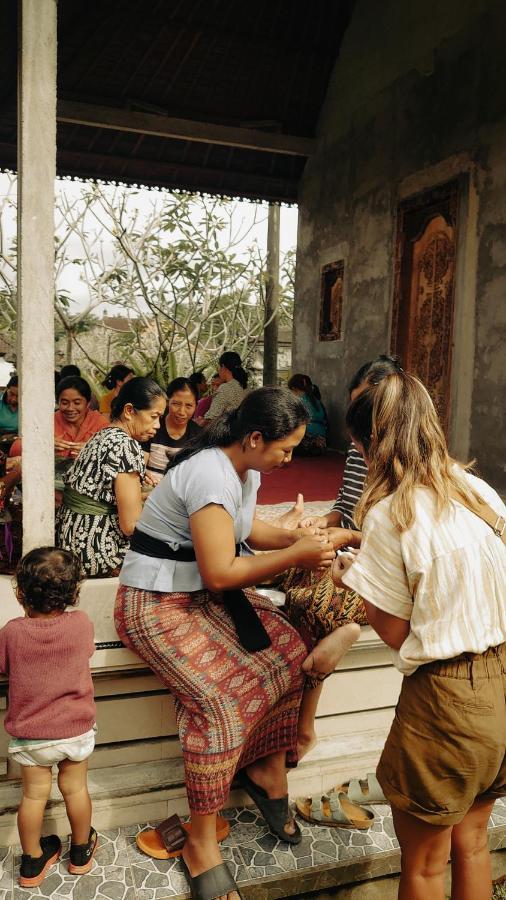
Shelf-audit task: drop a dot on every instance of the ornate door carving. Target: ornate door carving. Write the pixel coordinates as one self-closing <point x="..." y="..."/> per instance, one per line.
<point x="423" y="303"/>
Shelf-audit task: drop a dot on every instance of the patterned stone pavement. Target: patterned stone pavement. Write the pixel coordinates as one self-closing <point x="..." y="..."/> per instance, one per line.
<point x="263" y="867"/>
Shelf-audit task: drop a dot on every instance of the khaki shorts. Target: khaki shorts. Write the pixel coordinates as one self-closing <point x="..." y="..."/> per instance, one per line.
<point x="447" y="744"/>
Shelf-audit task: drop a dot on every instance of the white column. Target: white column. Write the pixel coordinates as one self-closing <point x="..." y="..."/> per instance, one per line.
<point x="36" y="176"/>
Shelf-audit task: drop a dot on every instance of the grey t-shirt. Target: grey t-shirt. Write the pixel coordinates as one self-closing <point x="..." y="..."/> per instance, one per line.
<point x="208" y="477"/>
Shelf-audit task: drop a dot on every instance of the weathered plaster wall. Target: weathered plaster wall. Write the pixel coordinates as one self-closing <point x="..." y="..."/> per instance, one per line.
<point x="418" y="94"/>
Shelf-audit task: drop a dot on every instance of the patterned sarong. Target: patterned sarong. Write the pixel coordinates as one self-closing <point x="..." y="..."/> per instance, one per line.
<point x="232" y="707"/>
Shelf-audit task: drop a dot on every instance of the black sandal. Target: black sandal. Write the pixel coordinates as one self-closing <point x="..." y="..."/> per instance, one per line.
<point x="209" y="885"/>
<point x="275" y="812"/>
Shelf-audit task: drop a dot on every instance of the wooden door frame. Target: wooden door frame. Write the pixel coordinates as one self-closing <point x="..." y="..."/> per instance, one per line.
<point x="460" y="167"/>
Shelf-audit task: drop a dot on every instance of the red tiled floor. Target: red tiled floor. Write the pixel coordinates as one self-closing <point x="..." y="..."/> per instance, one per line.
<point x="317" y="477"/>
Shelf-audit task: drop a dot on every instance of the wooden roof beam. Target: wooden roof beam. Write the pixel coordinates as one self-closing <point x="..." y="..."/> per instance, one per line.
<point x="183" y="129"/>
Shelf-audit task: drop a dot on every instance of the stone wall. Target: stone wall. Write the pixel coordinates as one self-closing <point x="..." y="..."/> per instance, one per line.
<point x="418" y="96"/>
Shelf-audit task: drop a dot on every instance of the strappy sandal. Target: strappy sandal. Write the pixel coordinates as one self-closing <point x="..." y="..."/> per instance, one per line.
<point x="167" y="840"/>
<point x="216" y="882"/>
<point x="275" y="812"/>
<point x="333" y="810"/>
<point x="363" y="791"/>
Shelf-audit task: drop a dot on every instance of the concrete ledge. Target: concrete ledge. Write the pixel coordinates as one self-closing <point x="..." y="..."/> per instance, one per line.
<point x="126" y="794"/>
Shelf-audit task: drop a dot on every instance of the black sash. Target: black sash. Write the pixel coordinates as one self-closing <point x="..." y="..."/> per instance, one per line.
<point x="250" y="631"/>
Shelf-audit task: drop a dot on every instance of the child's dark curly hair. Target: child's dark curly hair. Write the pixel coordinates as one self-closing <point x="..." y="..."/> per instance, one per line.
<point x="48" y="579"/>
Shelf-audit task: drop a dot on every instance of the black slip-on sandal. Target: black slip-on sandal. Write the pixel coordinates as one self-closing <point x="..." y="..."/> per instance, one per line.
<point x="216" y="882"/>
<point x="275" y="812"/>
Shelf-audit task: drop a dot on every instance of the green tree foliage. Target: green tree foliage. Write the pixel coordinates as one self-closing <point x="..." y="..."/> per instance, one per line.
<point x="186" y="272"/>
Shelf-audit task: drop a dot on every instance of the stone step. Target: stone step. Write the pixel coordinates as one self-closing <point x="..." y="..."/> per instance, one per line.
<point x="126" y="794"/>
<point x="328" y="860"/>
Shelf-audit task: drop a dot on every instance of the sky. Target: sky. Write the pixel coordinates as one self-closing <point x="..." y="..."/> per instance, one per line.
<point x="142" y="199"/>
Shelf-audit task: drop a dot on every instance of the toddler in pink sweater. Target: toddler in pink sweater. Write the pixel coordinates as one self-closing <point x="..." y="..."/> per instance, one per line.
<point x="51" y="716"/>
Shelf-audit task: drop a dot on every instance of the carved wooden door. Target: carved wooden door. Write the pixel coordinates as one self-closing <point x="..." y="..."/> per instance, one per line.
<point x="423" y="305"/>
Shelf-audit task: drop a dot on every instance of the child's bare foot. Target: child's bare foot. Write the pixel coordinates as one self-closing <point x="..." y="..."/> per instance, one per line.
<point x="291" y="519"/>
<point x="331" y="649"/>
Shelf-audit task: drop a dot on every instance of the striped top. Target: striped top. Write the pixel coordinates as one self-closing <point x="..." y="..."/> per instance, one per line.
<point x="446" y="576"/>
<point x="350" y="492"/>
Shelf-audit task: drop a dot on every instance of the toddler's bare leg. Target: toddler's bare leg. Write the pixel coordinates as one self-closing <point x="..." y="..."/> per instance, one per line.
<point x="36" y="789"/>
<point x="73" y="783"/>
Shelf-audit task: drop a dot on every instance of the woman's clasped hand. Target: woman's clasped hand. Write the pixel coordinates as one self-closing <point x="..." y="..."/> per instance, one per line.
<point x="314" y="551"/>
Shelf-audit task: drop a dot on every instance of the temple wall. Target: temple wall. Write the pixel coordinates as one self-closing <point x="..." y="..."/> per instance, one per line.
<point x="418" y="96"/>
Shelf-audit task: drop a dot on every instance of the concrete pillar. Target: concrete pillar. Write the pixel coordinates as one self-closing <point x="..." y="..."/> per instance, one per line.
<point x="272" y="297"/>
<point x="36" y="177"/>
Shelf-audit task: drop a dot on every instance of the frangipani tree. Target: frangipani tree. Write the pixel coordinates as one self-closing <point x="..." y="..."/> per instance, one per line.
<point x="187" y="271"/>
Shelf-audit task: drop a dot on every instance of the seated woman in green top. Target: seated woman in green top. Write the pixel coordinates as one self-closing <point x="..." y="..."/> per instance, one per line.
<point x="314" y="441"/>
<point x="9" y="407"/>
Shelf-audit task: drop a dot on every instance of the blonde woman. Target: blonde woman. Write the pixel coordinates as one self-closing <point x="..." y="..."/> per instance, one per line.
<point x="432" y="572"/>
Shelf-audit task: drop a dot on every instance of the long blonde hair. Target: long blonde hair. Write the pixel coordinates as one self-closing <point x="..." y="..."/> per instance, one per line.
<point x="396" y="423"/>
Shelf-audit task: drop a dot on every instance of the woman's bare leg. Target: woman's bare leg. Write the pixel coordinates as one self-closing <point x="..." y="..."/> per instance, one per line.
<point x="306" y="735"/>
<point x="471" y="866"/>
<point x="425" y="850"/>
<point x="270" y="774"/>
<point x="201" y="850"/>
<point x="330" y="650"/>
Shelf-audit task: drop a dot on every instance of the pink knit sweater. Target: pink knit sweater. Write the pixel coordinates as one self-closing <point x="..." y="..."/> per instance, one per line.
<point x="50" y="686"/>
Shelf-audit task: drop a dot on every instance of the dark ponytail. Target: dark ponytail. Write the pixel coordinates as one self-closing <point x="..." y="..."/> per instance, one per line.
<point x="273" y="411"/>
<point x="359" y="418"/>
<point x="117" y="373"/>
<point x="375" y="370"/>
<point x="232" y="361"/>
<point x="139" y="391"/>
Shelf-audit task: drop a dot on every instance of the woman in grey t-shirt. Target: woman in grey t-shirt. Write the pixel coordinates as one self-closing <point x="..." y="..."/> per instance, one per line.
<point x="232" y="661"/>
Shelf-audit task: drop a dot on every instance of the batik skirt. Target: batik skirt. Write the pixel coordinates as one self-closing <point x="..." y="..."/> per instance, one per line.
<point x="232" y="706"/>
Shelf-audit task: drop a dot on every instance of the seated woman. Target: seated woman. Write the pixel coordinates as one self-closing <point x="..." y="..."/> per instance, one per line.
<point x="234" y="380"/>
<point x="205" y="402"/>
<point x="114" y="381"/>
<point x="198" y="379"/>
<point x="9" y="411"/>
<point x="176" y="428"/>
<point x="328" y="617"/>
<point x="74" y="422"/>
<point x="102" y="496"/>
<point x="315" y="439"/>
<point x="230" y="658"/>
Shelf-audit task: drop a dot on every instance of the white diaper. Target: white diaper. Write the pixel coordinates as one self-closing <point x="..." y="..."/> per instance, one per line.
<point x="29" y="752"/>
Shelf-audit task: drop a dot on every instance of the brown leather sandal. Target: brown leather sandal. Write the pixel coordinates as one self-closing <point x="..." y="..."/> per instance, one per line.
<point x="167" y="840"/>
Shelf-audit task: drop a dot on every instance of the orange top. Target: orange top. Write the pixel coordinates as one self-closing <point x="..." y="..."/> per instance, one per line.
<point x="105" y="403"/>
<point x="93" y="422"/>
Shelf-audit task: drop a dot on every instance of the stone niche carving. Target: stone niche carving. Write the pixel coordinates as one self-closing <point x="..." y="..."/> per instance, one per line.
<point x="331" y="301"/>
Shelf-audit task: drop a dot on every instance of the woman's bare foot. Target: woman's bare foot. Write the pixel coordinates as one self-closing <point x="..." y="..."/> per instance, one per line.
<point x="331" y="649"/>
<point x="201" y="855"/>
